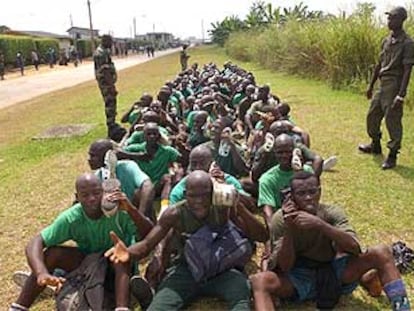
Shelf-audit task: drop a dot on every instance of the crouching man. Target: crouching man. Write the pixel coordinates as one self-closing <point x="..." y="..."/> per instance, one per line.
<point x="316" y="255"/>
<point x="190" y="277"/>
<point x="85" y="224"/>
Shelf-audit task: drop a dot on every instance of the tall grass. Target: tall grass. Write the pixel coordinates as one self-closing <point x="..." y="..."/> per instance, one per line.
<point x="339" y="50"/>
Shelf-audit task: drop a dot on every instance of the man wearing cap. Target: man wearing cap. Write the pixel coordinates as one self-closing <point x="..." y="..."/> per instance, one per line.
<point x="393" y="70"/>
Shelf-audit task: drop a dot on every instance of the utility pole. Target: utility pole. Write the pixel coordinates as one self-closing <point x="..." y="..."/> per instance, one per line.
<point x="135" y="27"/>
<point x="91" y="27"/>
<point x="202" y="31"/>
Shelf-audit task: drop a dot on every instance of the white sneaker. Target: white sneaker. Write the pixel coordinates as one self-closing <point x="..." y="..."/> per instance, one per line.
<point x="329" y="163"/>
<point x="20" y="277"/>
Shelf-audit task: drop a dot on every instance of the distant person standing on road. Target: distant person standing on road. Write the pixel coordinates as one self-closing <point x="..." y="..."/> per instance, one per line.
<point x="106" y="76"/>
<point x="51" y="57"/>
<point x="35" y="59"/>
<point x="184" y="58"/>
<point x="2" y="66"/>
<point x="20" y="62"/>
<point x="393" y="70"/>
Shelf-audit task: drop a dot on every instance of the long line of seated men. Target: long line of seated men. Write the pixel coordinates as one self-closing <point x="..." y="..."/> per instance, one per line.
<point x="210" y="154"/>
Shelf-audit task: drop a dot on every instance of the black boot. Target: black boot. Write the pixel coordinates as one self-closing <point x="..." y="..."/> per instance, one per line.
<point x="390" y="161"/>
<point x="373" y="148"/>
<point x="116" y="132"/>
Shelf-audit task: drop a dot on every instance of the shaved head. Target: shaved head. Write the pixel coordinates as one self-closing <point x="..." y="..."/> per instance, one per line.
<point x="284" y="139"/>
<point x="86" y="179"/>
<point x="97" y="152"/>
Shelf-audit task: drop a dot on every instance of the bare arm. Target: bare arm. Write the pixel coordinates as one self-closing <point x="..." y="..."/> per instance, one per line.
<point x="144" y="196"/>
<point x="165" y="223"/>
<point x="238" y="161"/>
<point x="268" y="213"/>
<point x="343" y="240"/>
<point x="317" y="165"/>
<point x="246" y="221"/>
<point x="286" y="256"/>
<point x="34" y="254"/>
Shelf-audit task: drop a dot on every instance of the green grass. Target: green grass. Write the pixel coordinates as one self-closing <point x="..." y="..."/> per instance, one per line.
<point x="37" y="177"/>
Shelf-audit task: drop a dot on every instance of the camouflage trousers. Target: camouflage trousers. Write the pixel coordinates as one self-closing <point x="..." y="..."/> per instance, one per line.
<point x="381" y="107"/>
<point x="109" y="94"/>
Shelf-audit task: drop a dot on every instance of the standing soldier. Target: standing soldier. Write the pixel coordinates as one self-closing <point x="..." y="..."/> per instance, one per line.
<point x="393" y="70"/>
<point x="106" y="76"/>
<point x="184" y="58"/>
<point x="2" y="66"/>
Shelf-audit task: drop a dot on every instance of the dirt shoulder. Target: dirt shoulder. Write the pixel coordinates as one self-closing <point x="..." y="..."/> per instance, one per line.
<point x="16" y="88"/>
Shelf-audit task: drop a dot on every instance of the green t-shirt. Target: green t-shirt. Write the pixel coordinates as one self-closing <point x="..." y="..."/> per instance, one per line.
<point x="272" y="183"/>
<point x="137" y="137"/>
<point x="195" y="139"/>
<point x="187" y="92"/>
<point x="270" y="161"/>
<point x="310" y="243"/>
<point x="130" y="176"/>
<point x="224" y="162"/>
<point x="91" y="235"/>
<point x="159" y="165"/>
<point x="134" y="115"/>
<point x="237" y="99"/>
<point x="177" y="193"/>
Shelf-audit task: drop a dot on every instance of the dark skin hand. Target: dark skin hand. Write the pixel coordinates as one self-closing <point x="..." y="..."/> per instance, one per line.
<point x="141" y="222"/>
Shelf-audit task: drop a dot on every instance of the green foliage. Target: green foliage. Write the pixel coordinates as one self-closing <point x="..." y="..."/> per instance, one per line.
<point x="340" y="50"/>
<point x="221" y="30"/>
<point x="85" y="47"/>
<point x="43" y="44"/>
<point x="10" y="45"/>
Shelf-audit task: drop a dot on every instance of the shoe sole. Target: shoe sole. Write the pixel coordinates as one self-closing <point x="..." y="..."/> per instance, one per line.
<point x="329" y="163"/>
<point x="20" y="278"/>
<point x="141" y="290"/>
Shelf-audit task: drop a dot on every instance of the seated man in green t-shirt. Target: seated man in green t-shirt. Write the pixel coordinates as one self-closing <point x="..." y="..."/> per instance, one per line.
<point x="152" y="157"/>
<point x="85" y="224"/>
<point x="265" y="159"/>
<point x="137" y="136"/>
<point x="226" y="153"/>
<point x="316" y="255"/>
<point x="134" y="182"/>
<point x="198" y="133"/>
<point x="201" y="158"/>
<point x="179" y="287"/>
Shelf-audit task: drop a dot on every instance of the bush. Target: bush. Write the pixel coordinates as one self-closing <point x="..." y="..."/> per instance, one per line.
<point x="42" y="46"/>
<point x="339" y="50"/>
<point x="10" y="45"/>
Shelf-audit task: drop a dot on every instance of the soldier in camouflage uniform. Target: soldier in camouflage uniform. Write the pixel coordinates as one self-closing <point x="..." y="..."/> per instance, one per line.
<point x="106" y="76"/>
<point x="393" y="70"/>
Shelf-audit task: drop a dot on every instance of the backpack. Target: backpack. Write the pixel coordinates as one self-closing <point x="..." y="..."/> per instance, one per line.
<point x="84" y="286"/>
<point x="211" y="251"/>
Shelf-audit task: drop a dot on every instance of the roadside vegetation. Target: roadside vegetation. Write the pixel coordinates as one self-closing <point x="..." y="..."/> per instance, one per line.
<point x="340" y="49"/>
<point x="37" y="176"/>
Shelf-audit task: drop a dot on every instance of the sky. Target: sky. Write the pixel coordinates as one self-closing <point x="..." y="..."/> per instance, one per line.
<point x="183" y="18"/>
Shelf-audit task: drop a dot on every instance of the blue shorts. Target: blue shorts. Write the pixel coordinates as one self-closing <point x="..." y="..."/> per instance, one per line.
<point x="304" y="279"/>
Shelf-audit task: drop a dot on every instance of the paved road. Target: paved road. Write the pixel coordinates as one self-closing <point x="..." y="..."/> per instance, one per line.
<point x="15" y="88"/>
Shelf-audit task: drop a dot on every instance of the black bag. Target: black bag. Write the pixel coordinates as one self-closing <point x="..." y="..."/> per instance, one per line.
<point x="403" y="257"/>
<point x="328" y="287"/>
<point x="84" y="286"/>
<point x="210" y="252"/>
